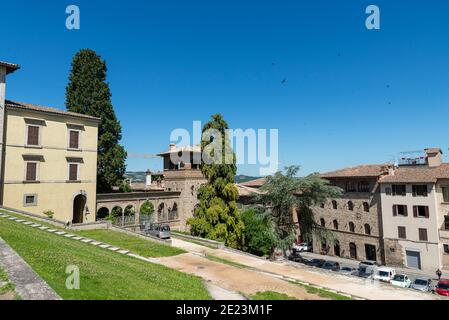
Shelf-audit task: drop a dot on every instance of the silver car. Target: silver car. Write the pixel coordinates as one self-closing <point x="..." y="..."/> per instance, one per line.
<point x="422" y="284"/>
<point x="161" y="231"/>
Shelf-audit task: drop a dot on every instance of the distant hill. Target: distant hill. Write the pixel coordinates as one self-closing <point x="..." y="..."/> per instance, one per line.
<point x="241" y="178"/>
<point x="136" y="176"/>
<point x="140" y="176"/>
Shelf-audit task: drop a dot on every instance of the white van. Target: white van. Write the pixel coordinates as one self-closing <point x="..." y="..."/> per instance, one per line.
<point x="385" y="274"/>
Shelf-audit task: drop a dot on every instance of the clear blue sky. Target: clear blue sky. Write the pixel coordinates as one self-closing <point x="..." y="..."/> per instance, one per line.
<point x="352" y="96"/>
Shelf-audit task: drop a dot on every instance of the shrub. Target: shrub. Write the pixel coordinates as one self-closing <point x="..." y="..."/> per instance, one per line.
<point x="49" y="214"/>
<point x="259" y="234"/>
<point x="147" y="208"/>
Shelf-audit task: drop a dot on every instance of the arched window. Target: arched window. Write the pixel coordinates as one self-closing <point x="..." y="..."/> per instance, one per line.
<point x="322" y="205"/>
<point x="351" y="226"/>
<point x="353" y="250"/>
<point x="350" y="205"/>
<point x="367" y="229"/>
<point x="334" y="204"/>
<point x="173" y="213"/>
<point x="161" y="212"/>
<point x="323" y="223"/>
<point x="102" y="213"/>
<point x="335" y="222"/>
<point x="366" y="206"/>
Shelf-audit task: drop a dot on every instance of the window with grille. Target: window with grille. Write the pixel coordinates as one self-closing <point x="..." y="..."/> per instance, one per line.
<point x="419" y="190"/>
<point x="398" y="189"/>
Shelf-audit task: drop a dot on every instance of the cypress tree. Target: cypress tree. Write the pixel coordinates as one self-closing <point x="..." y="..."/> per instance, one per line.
<point x="217" y="216"/>
<point x="88" y="93"/>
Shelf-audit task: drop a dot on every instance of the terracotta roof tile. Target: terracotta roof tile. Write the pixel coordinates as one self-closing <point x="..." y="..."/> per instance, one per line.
<point x="254" y="183"/>
<point x="31" y="107"/>
<point x="368" y="170"/>
<point x="417" y="174"/>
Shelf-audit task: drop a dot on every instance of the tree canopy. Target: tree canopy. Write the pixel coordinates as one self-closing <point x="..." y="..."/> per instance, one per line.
<point x="88" y="93"/>
<point x="217" y="216"/>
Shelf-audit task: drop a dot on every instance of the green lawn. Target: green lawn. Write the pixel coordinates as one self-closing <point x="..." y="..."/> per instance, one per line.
<point x="146" y="248"/>
<point x="103" y="274"/>
<point x="226" y="261"/>
<point x="322" y="292"/>
<point x="271" y="295"/>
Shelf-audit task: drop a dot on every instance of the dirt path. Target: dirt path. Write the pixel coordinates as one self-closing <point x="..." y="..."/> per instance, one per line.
<point x="350" y="285"/>
<point x="232" y="278"/>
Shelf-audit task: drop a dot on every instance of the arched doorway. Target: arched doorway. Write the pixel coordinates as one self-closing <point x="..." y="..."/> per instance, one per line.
<point x="79" y="203"/>
<point x="353" y="250"/>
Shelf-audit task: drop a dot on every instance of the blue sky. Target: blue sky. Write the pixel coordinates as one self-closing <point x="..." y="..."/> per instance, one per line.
<point x="352" y="95"/>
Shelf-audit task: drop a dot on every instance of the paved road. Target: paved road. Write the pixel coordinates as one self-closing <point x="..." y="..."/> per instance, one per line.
<point x="412" y="274"/>
<point x="281" y="270"/>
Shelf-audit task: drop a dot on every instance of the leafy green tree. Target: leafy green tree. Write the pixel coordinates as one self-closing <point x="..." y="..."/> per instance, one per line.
<point x="147" y="208"/>
<point x="88" y="93"/>
<point x="285" y="192"/>
<point x="217" y="216"/>
<point x="259" y="233"/>
<point x="125" y="187"/>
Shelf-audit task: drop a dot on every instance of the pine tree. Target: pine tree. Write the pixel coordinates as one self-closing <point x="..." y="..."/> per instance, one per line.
<point x="88" y="93"/>
<point x="217" y="216"/>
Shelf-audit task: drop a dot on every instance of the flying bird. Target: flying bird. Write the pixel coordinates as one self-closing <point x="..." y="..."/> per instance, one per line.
<point x="284" y="81"/>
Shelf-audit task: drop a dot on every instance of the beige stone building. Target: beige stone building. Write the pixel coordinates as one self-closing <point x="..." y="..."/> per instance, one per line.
<point x="354" y="218"/>
<point x="415" y="207"/>
<point x="49" y="159"/>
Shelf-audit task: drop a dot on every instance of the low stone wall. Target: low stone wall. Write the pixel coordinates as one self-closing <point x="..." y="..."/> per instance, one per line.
<point x="207" y="242"/>
<point x="92" y="226"/>
<point x="35" y="217"/>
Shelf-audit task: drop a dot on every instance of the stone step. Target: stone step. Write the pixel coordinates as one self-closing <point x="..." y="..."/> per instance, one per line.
<point x="44" y="228"/>
<point x="95" y="243"/>
<point x="114" y="249"/>
<point x="68" y="235"/>
<point x="86" y="240"/>
<point x="20" y="220"/>
<point x="60" y="233"/>
<point x="77" y="238"/>
<point x="104" y="246"/>
<point x="12" y="218"/>
<point x="27" y="223"/>
<point x="123" y="251"/>
<point x="36" y="225"/>
<point x="51" y="230"/>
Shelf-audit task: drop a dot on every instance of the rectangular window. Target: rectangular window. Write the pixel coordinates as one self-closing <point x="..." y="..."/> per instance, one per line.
<point x="422" y="234"/>
<point x="33" y="135"/>
<point x="446" y="248"/>
<point x="402" y="234"/>
<point x="364" y="186"/>
<point x="421" y="211"/>
<point x="73" y="171"/>
<point x="74" y="139"/>
<point x="350" y="187"/>
<point x="30" y="200"/>
<point x="446" y="222"/>
<point x="446" y="194"/>
<point x="31" y="171"/>
<point x="398" y="189"/>
<point x="400" y="210"/>
<point x="419" y="190"/>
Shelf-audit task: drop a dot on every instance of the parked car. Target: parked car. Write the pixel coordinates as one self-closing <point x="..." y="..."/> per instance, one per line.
<point x="296" y="257"/>
<point x="365" y="272"/>
<point x="161" y="231"/>
<point x="369" y="263"/>
<point x="347" y="270"/>
<point x="384" y="274"/>
<point x="401" y="280"/>
<point x="330" y="265"/>
<point x="316" y="263"/>
<point x="303" y="247"/>
<point x="442" y="287"/>
<point x="422" y="284"/>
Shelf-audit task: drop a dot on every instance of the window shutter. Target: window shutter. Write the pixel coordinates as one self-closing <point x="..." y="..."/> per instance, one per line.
<point x="395" y="210"/>
<point x="73" y="172"/>
<point x="415" y="211"/>
<point x="414" y="191"/>
<point x="426" y="191"/>
<point x="406" y="211"/>
<point x="33" y="136"/>
<point x="74" y="139"/>
<point x="427" y="212"/>
<point x="388" y="191"/>
<point x="393" y="189"/>
<point x="31" y="171"/>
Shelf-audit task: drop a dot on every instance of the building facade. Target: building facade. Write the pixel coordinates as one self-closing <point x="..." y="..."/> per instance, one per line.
<point x="415" y="211"/>
<point x="353" y="219"/>
<point x="49" y="161"/>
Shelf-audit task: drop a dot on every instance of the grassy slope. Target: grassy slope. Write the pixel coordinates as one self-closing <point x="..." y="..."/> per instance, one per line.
<point x="271" y="295"/>
<point x="135" y="244"/>
<point x="104" y="274"/>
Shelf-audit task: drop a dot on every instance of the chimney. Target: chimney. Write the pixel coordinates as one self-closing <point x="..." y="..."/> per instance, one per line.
<point x="148" y="180"/>
<point x="5" y="69"/>
<point x="434" y="157"/>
